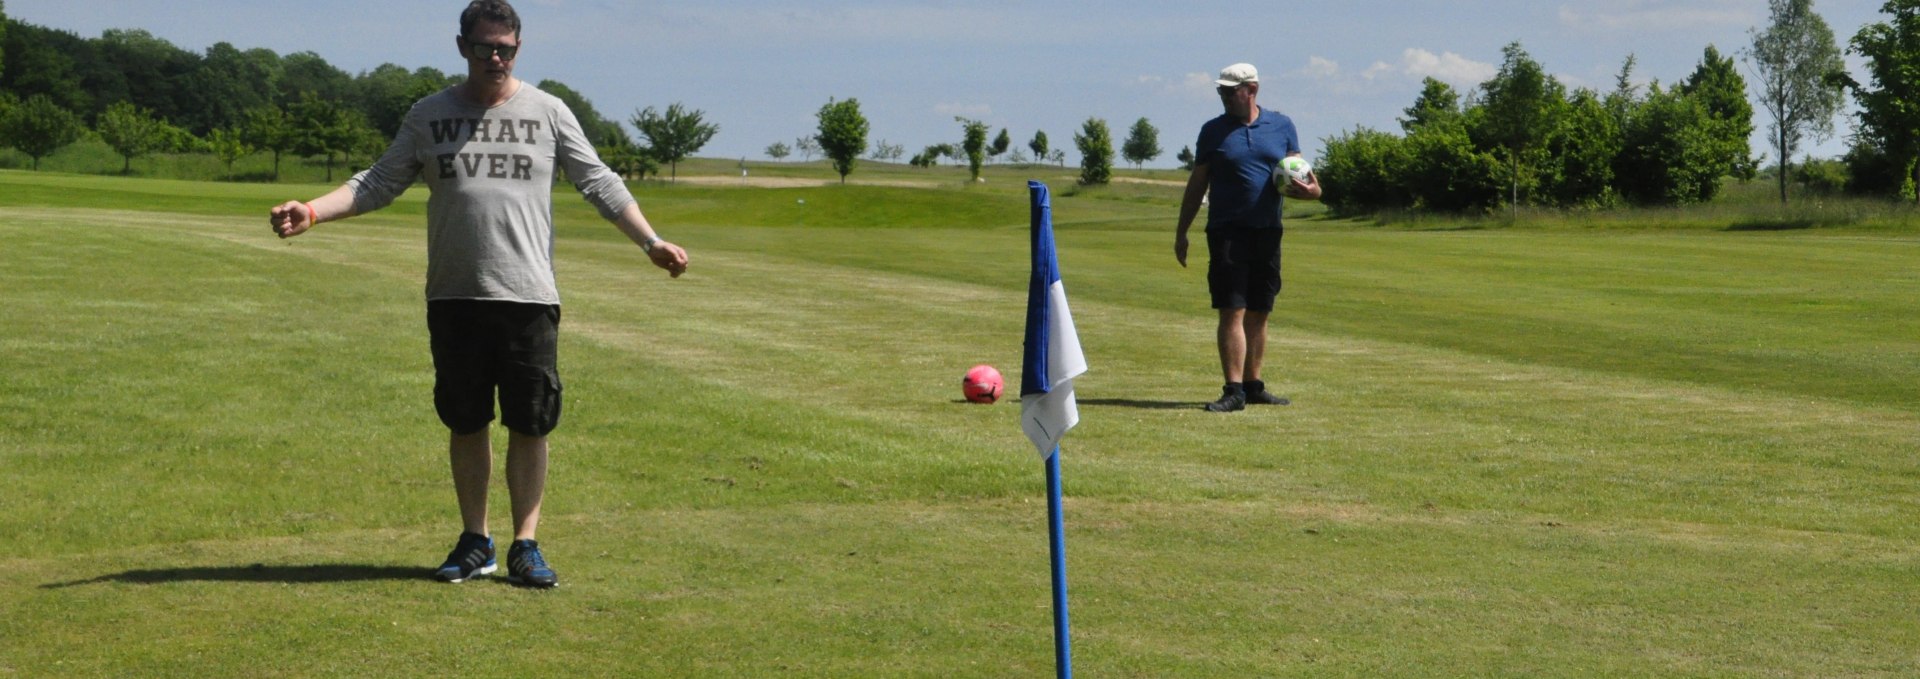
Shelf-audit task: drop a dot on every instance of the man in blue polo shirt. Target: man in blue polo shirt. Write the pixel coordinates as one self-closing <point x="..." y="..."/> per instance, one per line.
<point x="1234" y="162"/>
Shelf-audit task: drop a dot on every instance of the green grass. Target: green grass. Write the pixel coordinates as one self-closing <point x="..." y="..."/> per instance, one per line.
<point x="92" y="156"/>
<point x="1531" y="450"/>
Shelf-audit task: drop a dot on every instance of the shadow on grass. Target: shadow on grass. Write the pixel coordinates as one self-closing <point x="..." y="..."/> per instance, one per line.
<point x="257" y="573"/>
<point x="262" y="177"/>
<point x="1140" y="404"/>
<point x="1773" y="225"/>
<point x="1122" y="403"/>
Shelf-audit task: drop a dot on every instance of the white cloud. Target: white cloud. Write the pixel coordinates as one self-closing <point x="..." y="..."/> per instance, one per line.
<point x="1446" y="66"/>
<point x="1320" y="67"/>
<point x="967" y="110"/>
<point x="1644" y="15"/>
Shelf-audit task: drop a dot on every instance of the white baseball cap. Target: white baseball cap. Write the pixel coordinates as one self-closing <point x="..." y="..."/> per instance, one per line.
<point x="1237" y="75"/>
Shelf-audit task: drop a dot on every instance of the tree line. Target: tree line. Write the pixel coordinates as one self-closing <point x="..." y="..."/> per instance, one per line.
<point x="141" y="94"/>
<point x="833" y="141"/>
<point x="1521" y="138"/>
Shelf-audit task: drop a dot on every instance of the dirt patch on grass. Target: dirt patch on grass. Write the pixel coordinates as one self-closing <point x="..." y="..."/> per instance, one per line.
<point x="1155" y="182"/>
<point x="801" y="182"/>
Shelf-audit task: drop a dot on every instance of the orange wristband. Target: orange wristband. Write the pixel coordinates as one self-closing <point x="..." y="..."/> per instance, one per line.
<point x="313" y="216"/>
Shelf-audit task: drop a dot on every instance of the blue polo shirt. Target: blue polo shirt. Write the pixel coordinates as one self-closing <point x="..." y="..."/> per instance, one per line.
<point x="1240" y="161"/>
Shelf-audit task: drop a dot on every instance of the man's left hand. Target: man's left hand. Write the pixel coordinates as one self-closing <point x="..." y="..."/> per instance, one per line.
<point x="1307" y="190"/>
<point x="670" y="257"/>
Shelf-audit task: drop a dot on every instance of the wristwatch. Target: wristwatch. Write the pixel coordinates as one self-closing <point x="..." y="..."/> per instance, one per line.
<point x="647" y="245"/>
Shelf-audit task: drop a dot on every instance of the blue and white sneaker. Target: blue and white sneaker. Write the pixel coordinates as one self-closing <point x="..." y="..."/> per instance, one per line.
<point x="525" y="566"/>
<point x="472" y="556"/>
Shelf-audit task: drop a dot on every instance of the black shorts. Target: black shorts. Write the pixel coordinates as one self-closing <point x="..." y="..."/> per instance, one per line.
<point x="1243" y="268"/>
<point x="481" y="345"/>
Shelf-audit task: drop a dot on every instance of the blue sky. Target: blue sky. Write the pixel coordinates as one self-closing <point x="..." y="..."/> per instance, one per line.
<point x="762" y="69"/>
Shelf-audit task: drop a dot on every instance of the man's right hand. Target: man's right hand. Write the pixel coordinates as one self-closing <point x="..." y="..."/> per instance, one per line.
<point x="290" y="219"/>
<point x="1180" y="247"/>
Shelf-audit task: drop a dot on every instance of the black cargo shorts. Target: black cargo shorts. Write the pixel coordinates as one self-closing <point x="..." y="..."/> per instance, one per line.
<point x="480" y="346"/>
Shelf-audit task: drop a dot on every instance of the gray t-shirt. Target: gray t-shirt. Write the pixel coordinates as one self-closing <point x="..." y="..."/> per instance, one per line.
<point x="490" y="170"/>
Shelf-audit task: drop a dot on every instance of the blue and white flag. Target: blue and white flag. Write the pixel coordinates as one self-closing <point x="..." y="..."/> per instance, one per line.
<point x="1053" y="357"/>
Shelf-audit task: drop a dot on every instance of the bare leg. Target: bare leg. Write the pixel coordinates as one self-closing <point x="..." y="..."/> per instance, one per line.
<point x="472" y="458"/>
<point x="1232" y="339"/>
<point x="1254" y="329"/>
<point x="526" y="481"/>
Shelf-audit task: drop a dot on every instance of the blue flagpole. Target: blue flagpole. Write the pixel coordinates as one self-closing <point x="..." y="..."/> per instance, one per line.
<point x="1062" y="637"/>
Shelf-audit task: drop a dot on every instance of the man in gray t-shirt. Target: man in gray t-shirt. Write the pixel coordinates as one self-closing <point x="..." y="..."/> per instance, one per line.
<point x="488" y="150"/>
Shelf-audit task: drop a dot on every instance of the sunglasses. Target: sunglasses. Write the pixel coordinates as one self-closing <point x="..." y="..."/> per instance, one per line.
<point x="483" y="51"/>
<point x="1224" y="90"/>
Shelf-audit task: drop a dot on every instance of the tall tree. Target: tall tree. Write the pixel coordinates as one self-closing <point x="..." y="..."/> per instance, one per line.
<point x="1667" y="154"/>
<point x="46" y="61"/>
<point x="1039" y="145"/>
<point x="1518" y="106"/>
<point x="1142" y="145"/>
<point x="229" y="145"/>
<point x="360" y="138"/>
<point x="38" y="127"/>
<point x="806" y="146"/>
<point x="429" y="80"/>
<point x="1580" y="154"/>
<point x="674" y="136"/>
<point x="843" y="134"/>
<point x="886" y="151"/>
<point x="3" y="37"/>
<point x="325" y="127"/>
<point x="304" y="72"/>
<point x="132" y="131"/>
<point x="1000" y="144"/>
<point x="226" y="84"/>
<point x="1096" y="152"/>
<point x="629" y="160"/>
<point x="1716" y="84"/>
<point x="1890" y="105"/>
<point x="927" y="157"/>
<point x="973" y="140"/>
<point x="1794" y="59"/>
<point x="931" y="156"/>
<point x="267" y="128"/>
<point x="1625" y="94"/>
<point x="1438" y="103"/>
<point x="385" y="94"/>
<point x="156" y="72"/>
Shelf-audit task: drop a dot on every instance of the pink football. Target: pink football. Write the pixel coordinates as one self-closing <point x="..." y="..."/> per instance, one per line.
<point x="982" y="384"/>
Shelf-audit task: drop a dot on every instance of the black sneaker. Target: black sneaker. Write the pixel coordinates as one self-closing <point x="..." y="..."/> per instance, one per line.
<point x="525" y="566"/>
<point x="1232" y="398"/>
<point x="1257" y="394"/>
<point x="472" y="556"/>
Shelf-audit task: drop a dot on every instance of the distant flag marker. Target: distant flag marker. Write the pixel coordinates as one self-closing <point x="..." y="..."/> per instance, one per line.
<point x="1047" y="409"/>
<point x="1053" y="357"/>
